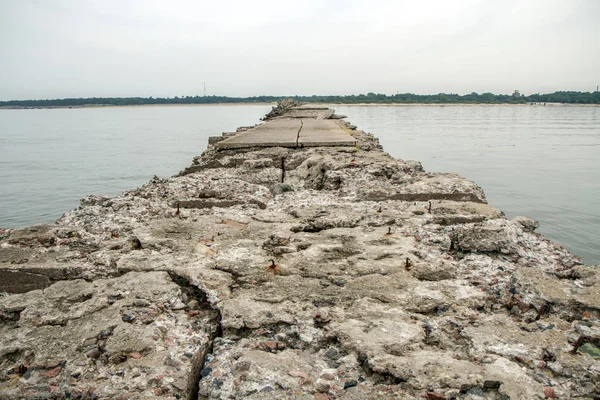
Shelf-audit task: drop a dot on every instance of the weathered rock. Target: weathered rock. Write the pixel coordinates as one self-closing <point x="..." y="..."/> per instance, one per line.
<point x="280" y="188"/>
<point x="388" y="282"/>
<point x="435" y="271"/>
<point x="75" y="329"/>
<point x="528" y="224"/>
<point x="482" y="238"/>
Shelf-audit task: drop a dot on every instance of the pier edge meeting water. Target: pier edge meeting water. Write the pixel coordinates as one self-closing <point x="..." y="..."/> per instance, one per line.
<point x="352" y="266"/>
<point x="535" y="161"/>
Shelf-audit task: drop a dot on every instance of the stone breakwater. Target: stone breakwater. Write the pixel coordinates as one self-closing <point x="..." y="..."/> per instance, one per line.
<point x="323" y="272"/>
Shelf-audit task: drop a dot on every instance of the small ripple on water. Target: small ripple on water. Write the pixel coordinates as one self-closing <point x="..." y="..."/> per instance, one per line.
<point x="52" y="158"/>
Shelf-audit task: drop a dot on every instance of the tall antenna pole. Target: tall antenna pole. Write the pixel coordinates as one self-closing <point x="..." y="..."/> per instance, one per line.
<point x="204" y="89"/>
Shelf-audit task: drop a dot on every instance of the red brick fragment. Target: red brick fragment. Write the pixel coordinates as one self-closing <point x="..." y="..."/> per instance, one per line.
<point x="269" y="345"/>
<point x="51" y="373"/>
<point x="563" y="326"/>
<point x="549" y="392"/>
<point x="434" y="396"/>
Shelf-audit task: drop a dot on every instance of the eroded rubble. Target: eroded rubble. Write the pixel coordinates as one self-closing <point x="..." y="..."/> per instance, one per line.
<point x="307" y="273"/>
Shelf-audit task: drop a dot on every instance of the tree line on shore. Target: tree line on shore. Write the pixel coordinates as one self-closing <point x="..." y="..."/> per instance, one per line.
<point x="374" y="98"/>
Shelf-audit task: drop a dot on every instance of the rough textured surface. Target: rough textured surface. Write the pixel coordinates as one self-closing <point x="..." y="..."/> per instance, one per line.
<point x="344" y="274"/>
<point x="139" y="332"/>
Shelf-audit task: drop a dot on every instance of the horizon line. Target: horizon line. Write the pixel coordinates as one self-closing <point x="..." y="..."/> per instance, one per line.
<point x="299" y="95"/>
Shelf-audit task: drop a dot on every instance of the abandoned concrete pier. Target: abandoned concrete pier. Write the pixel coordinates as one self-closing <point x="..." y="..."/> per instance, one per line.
<point x="295" y="259"/>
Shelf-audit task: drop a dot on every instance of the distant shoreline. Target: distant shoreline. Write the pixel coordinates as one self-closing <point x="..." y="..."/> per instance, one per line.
<point x="561" y="97"/>
<point x="130" y="106"/>
<point x="464" y="104"/>
<point x="319" y="103"/>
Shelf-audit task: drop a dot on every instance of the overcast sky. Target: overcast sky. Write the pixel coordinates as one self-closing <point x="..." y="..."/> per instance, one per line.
<point x="109" y="48"/>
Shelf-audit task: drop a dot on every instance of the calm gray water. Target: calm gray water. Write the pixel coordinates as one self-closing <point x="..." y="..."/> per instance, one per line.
<point x="51" y="158"/>
<point x="541" y="162"/>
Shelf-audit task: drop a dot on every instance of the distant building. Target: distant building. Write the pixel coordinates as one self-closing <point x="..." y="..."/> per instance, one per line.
<point x="516" y="93"/>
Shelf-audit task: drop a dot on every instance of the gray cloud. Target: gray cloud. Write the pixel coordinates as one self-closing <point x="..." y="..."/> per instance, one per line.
<point x="51" y="49"/>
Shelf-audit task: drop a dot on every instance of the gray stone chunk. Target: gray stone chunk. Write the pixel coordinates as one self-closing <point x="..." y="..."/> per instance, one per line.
<point x="480" y="238"/>
<point x="528" y="224"/>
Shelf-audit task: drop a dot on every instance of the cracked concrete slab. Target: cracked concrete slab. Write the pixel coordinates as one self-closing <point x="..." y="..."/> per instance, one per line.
<point x="290" y="133"/>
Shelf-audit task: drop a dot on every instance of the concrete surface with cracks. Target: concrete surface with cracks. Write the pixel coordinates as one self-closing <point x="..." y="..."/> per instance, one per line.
<point x="386" y="281"/>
